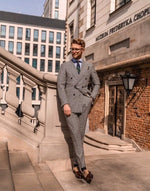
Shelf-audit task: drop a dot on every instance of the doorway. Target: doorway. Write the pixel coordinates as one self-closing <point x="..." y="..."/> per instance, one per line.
<point x="116" y="111"/>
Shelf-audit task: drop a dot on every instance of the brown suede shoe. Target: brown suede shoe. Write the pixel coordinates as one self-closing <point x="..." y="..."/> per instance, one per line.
<point x="77" y="172"/>
<point x="87" y="176"/>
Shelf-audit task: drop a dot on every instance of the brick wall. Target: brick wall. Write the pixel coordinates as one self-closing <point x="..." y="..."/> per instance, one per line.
<point x="137" y="110"/>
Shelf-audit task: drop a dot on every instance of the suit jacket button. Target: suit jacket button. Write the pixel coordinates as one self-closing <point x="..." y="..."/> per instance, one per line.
<point x="73" y="94"/>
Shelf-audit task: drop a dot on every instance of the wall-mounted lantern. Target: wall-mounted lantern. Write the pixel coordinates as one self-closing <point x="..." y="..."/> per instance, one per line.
<point x="128" y="82"/>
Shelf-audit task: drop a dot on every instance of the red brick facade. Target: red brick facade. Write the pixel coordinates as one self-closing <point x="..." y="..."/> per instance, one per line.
<point x="137" y="123"/>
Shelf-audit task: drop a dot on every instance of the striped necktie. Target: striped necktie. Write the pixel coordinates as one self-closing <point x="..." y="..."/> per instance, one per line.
<point x="78" y="66"/>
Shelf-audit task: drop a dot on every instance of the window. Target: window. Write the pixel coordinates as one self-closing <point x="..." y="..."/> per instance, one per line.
<point x="56" y="4"/>
<point x="26" y="60"/>
<point x="42" y="65"/>
<point x="36" y="35"/>
<point x="34" y="63"/>
<point x="57" y="66"/>
<point x="56" y="14"/>
<point x="33" y="93"/>
<point x="43" y="37"/>
<point x="51" y="37"/>
<point x="27" y="48"/>
<point x="19" y="47"/>
<point x="58" y="39"/>
<point x="50" y="65"/>
<point x="11" y="46"/>
<point x="28" y="34"/>
<point x="3" y="31"/>
<point x="19" y="33"/>
<point x="2" y="43"/>
<point x="58" y="52"/>
<point x="11" y="32"/>
<point x="42" y="50"/>
<point x="91" y="13"/>
<point x="35" y="49"/>
<point x="120" y="3"/>
<point x="71" y="29"/>
<point x="50" y="51"/>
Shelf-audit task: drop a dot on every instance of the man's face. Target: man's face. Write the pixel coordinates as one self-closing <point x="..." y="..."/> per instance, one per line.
<point x="76" y="51"/>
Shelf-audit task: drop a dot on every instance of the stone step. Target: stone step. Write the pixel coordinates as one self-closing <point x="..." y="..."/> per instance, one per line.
<point x="6" y="182"/>
<point x="47" y="178"/>
<point x="107" y="142"/>
<point x="24" y="176"/>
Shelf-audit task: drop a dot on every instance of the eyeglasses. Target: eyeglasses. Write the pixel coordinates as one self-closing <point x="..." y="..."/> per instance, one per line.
<point x="75" y="49"/>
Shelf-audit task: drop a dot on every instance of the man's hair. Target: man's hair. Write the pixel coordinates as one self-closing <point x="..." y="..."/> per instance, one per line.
<point x="79" y="42"/>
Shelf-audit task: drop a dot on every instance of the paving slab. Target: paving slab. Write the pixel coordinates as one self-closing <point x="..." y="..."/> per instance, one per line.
<point x="115" y="172"/>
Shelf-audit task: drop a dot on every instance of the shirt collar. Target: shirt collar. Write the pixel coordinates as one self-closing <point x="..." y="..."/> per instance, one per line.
<point x="75" y="60"/>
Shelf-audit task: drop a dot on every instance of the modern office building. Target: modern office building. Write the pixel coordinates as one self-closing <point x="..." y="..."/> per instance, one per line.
<point x="117" y="39"/>
<point x="36" y="40"/>
<point x="55" y="9"/>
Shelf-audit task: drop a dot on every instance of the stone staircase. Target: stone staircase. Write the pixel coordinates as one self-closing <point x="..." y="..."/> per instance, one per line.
<point x="17" y="173"/>
<point x="106" y="142"/>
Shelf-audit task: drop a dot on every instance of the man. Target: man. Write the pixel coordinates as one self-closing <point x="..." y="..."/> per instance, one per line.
<point x="75" y="97"/>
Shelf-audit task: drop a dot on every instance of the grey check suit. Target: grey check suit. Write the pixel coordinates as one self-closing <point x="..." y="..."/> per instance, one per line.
<point x="73" y="90"/>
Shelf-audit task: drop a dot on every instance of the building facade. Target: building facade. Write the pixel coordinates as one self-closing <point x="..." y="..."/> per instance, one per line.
<point x="55" y="9"/>
<point x="117" y="39"/>
<point x="36" y="40"/>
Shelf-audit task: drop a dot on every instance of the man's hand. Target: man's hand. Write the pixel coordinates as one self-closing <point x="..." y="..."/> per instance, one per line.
<point x="67" y="110"/>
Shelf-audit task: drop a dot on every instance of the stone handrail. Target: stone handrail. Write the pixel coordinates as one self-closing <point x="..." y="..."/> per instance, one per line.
<point x="38" y="121"/>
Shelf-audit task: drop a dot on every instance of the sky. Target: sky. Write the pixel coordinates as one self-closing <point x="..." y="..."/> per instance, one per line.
<point x="29" y="7"/>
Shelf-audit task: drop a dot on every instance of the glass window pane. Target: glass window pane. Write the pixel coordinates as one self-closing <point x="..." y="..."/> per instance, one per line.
<point x="51" y="37"/>
<point x="57" y="66"/>
<point x="27" y="48"/>
<point x="2" y="43"/>
<point x="58" y="52"/>
<point x="11" y="32"/>
<point x="28" y="34"/>
<point x="33" y="93"/>
<point x="42" y="50"/>
<point x="43" y="37"/>
<point x="50" y="51"/>
<point x="19" y="33"/>
<point x="58" y="40"/>
<point x="35" y="49"/>
<point x="50" y="65"/>
<point x="56" y="4"/>
<point x="3" y="31"/>
<point x="34" y="63"/>
<point x="42" y="65"/>
<point x="36" y="35"/>
<point x="26" y="60"/>
<point x="11" y="46"/>
<point x="56" y="15"/>
<point x="19" y="47"/>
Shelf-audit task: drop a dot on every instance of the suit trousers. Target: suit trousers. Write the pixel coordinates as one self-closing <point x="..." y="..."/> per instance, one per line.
<point x="76" y="123"/>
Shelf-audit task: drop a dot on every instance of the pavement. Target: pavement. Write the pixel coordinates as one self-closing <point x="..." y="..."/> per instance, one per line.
<point x="112" y="172"/>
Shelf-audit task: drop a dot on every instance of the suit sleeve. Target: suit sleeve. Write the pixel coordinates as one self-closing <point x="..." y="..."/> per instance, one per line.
<point x="61" y="84"/>
<point x="95" y="82"/>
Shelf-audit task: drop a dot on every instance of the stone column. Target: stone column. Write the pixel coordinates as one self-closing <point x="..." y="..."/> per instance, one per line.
<point x="11" y="97"/>
<point x="27" y="102"/>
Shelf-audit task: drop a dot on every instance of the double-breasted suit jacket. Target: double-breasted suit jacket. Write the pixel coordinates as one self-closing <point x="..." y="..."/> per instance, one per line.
<point x="73" y="87"/>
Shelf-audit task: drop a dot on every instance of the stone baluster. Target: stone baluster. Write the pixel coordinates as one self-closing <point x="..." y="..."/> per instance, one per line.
<point x="11" y="97"/>
<point x="27" y="108"/>
<point x="41" y="112"/>
<point x="1" y="69"/>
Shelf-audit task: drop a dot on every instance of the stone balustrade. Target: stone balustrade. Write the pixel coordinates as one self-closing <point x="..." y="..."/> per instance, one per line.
<point x="37" y="121"/>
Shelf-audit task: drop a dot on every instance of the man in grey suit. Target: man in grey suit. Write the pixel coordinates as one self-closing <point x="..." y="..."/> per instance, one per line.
<point x="76" y="99"/>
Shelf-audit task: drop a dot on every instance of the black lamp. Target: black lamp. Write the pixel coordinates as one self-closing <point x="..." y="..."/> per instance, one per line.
<point x="128" y="82"/>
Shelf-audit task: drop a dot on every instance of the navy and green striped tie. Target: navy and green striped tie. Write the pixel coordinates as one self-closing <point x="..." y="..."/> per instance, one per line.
<point x="78" y="67"/>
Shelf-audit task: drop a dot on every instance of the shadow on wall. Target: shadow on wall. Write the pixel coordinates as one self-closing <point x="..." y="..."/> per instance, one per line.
<point x="65" y="129"/>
